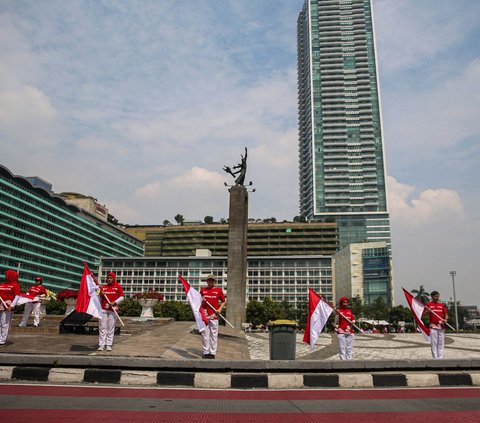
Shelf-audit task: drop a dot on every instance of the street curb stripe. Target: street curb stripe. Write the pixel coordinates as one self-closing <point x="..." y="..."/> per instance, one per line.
<point x="39" y="374"/>
<point x="455" y="379"/>
<point x="321" y="381"/>
<point x="102" y="376"/>
<point x="388" y="380"/>
<point x="249" y="381"/>
<point x="176" y="379"/>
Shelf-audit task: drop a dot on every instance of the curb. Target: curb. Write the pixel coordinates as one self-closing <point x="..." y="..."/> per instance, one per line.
<point x="232" y="380"/>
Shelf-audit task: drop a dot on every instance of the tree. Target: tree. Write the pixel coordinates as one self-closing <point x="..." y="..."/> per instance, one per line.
<point x="255" y="313"/>
<point x="299" y="219"/>
<point x="223" y="220"/>
<point x="357" y="306"/>
<point x="208" y="220"/>
<point x="130" y="307"/>
<point x="179" y="219"/>
<point x="176" y="309"/>
<point x="400" y="314"/>
<point x="272" y="310"/>
<point x="421" y="294"/>
<point x="378" y="310"/>
<point x="167" y="223"/>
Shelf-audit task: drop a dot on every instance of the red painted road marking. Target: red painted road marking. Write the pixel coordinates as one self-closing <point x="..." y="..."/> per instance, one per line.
<point x="310" y="394"/>
<point x="97" y="416"/>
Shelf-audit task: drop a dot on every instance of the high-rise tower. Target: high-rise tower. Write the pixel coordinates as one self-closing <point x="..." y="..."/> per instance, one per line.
<point x="341" y="153"/>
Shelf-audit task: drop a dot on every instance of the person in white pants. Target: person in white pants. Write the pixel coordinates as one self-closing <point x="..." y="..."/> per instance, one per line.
<point x="8" y="291"/>
<point x="112" y="295"/>
<point x="344" y="330"/>
<point x="438" y="316"/>
<point x="214" y="301"/>
<point x="39" y="291"/>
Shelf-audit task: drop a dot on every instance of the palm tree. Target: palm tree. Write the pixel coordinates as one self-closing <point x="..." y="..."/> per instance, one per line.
<point x="421" y="294"/>
<point x="179" y="219"/>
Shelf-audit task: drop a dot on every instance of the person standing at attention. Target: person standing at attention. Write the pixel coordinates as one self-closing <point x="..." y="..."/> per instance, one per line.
<point x="213" y="303"/>
<point x="344" y="329"/>
<point x="39" y="291"/>
<point x="111" y="295"/>
<point x="8" y="291"/>
<point x="438" y="315"/>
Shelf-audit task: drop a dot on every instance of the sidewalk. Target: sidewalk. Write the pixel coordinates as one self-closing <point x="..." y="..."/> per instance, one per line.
<point x="167" y="353"/>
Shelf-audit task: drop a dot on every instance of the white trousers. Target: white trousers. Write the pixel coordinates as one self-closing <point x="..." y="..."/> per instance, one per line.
<point x="29" y="307"/>
<point x="210" y="337"/>
<point x="106" y="328"/>
<point x="345" y="345"/>
<point x="437" y="342"/>
<point x="5" y="321"/>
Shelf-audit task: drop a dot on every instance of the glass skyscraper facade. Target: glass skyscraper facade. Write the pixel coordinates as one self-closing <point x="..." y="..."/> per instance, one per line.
<point x="341" y="152"/>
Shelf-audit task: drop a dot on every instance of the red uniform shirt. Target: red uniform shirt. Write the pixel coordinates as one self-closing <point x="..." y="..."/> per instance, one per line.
<point x="8" y="291"/>
<point x="439" y="309"/>
<point x="37" y="290"/>
<point x="213" y="296"/>
<point x="344" y="326"/>
<point x="112" y="291"/>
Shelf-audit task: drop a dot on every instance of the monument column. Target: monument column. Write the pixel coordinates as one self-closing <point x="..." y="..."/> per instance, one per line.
<point x="237" y="256"/>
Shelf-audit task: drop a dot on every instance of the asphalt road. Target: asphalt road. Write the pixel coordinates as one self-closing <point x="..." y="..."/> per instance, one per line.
<point x="79" y="404"/>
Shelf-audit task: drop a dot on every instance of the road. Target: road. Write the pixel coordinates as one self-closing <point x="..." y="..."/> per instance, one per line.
<point x="79" y="404"/>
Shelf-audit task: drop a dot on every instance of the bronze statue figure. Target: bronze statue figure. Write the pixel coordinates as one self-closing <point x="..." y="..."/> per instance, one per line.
<point x="240" y="170"/>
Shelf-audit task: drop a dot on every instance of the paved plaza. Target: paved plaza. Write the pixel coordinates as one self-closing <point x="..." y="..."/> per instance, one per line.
<point x="170" y="340"/>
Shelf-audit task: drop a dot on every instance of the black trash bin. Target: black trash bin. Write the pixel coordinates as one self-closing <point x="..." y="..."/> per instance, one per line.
<point x="283" y="337"/>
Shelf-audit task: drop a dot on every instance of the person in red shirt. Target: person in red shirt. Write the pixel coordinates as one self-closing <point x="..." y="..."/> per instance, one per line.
<point x="438" y="315"/>
<point x="112" y="295"/>
<point x="8" y="291"/>
<point x="38" y="291"/>
<point x="344" y="329"/>
<point x="213" y="302"/>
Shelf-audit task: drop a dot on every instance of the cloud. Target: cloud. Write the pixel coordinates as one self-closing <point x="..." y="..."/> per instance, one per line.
<point x="428" y="207"/>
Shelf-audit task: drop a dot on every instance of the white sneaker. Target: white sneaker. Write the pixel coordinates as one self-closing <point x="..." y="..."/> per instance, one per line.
<point x="109" y="348"/>
<point x="100" y="348"/>
<point x="22" y="326"/>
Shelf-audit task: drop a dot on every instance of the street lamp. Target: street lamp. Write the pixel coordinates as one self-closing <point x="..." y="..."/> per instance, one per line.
<point x="453" y="273"/>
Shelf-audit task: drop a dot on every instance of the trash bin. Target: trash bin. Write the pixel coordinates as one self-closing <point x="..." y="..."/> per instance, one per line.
<point x="282" y="339"/>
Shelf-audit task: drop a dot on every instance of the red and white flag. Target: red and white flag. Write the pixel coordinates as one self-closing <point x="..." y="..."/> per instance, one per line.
<point x="195" y="300"/>
<point x="88" y="300"/>
<point x="318" y="313"/>
<point x="23" y="299"/>
<point x="417" y="308"/>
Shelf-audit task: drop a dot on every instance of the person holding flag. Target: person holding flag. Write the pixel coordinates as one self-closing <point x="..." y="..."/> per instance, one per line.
<point x="37" y="291"/>
<point x="344" y="327"/>
<point x="214" y="301"/>
<point x="8" y="291"/>
<point x="111" y="295"/>
<point x="438" y="316"/>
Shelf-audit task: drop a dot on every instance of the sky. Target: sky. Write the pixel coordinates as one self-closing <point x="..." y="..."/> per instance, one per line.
<point x="140" y="104"/>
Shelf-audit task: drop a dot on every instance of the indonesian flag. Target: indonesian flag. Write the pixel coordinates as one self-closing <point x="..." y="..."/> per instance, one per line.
<point x="318" y="312"/>
<point x="417" y="308"/>
<point x="23" y="299"/>
<point x="88" y="301"/>
<point x="195" y="300"/>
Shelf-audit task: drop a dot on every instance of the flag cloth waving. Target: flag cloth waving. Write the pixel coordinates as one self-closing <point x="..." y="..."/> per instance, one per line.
<point x="23" y="299"/>
<point x="195" y="300"/>
<point x="88" y="301"/>
<point x="417" y="308"/>
<point x="318" y="312"/>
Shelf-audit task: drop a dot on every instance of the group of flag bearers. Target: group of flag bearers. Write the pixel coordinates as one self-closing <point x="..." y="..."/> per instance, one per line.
<point x="102" y="301"/>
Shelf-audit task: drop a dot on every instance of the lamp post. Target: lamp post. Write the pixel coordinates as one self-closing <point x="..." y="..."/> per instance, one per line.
<point x="453" y="273"/>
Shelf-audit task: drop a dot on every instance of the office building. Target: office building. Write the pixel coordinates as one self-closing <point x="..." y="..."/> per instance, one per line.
<point x="341" y="151"/>
<point x="264" y="239"/>
<point x="279" y="278"/>
<point x="50" y="238"/>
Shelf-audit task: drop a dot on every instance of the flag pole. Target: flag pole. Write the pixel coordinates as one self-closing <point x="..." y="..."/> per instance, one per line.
<point x="349" y="321"/>
<point x="444" y="321"/>
<point x="219" y="314"/>
<point x="115" y="311"/>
